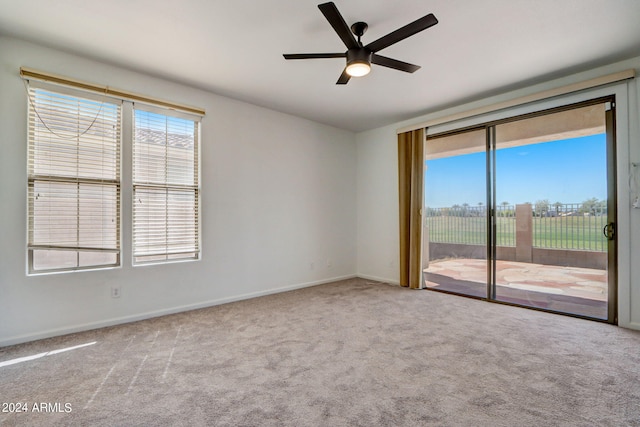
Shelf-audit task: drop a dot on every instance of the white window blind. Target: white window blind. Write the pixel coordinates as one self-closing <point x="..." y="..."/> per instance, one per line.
<point x="166" y="224"/>
<point x="73" y="181"/>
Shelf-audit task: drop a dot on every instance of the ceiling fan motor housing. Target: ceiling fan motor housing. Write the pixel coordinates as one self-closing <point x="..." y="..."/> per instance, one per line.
<point x="359" y="55"/>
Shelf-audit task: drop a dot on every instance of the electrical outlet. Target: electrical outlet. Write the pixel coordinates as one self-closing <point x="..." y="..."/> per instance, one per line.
<point x="636" y="204"/>
<point x="115" y="292"/>
<point x="328" y="263"/>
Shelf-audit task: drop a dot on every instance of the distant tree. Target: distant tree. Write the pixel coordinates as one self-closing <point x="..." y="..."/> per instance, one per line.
<point x="593" y="206"/>
<point x="431" y="212"/>
<point x="541" y="207"/>
<point x="590" y="206"/>
<point x="503" y="211"/>
<point x="557" y="205"/>
<point x="602" y="207"/>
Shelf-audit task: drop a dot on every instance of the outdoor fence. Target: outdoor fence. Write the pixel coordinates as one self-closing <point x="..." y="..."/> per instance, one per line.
<point x="574" y="226"/>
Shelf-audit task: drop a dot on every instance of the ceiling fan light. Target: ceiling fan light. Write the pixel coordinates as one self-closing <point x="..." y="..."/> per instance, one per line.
<point x="358" y="62"/>
<point x="358" y="69"/>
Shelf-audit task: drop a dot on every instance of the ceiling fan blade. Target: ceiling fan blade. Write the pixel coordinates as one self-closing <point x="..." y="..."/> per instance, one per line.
<point x="394" y="63"/>
<point x="330" y="11"/>
<point x="344" y="78"/>
<point x="402" y="33"/>
<point x="312" y="55"/>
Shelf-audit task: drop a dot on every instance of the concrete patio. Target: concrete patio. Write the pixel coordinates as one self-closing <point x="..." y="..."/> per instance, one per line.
<point x="581" y="291"/>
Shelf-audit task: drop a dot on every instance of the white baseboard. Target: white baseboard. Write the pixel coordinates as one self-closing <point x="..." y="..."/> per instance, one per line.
<point x="629" y="325"/>
<point x="163" y="312"/>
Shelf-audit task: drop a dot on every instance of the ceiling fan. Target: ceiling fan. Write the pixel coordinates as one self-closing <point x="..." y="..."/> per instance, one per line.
<point x="359" y="57"/>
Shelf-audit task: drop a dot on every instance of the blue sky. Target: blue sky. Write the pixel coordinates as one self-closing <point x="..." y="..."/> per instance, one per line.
<point x="567" y="171"/>
<point x="161" y="122"/>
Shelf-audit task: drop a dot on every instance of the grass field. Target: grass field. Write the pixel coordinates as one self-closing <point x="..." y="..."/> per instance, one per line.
<point x="571" y="232"/>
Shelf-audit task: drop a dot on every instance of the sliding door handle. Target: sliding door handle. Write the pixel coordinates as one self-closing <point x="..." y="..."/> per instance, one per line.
<point x="609" y="231"/>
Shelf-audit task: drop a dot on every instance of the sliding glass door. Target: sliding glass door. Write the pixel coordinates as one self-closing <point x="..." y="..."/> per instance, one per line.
<point x="456" y="220"/>
<point x="522" y="211"/>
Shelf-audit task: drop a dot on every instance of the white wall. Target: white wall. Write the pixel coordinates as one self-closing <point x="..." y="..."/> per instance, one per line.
<point x="377" y="248"/>
<point x="278" y="193"/>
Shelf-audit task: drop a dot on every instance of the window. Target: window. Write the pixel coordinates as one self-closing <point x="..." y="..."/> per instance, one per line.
<point x="77" y="131"/>
<point x="166" y="189"/>
<point x="73" y="181"/>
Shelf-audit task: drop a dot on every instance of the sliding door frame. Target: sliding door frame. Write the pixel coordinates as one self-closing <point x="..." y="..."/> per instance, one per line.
<point x="491" y="206"/>
<point x="612" y="160"/>
<point x="612" y="212"/>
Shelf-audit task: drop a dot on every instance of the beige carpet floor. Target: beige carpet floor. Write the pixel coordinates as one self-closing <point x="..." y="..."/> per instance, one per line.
<point x="351" y="353"/>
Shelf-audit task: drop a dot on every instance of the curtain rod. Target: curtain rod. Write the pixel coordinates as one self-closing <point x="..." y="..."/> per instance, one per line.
<point x="28" y="73"/>
<point x="563" y="90"/>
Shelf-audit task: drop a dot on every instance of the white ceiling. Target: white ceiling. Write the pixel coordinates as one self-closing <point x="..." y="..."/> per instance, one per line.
<point x="235" y="47"/>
